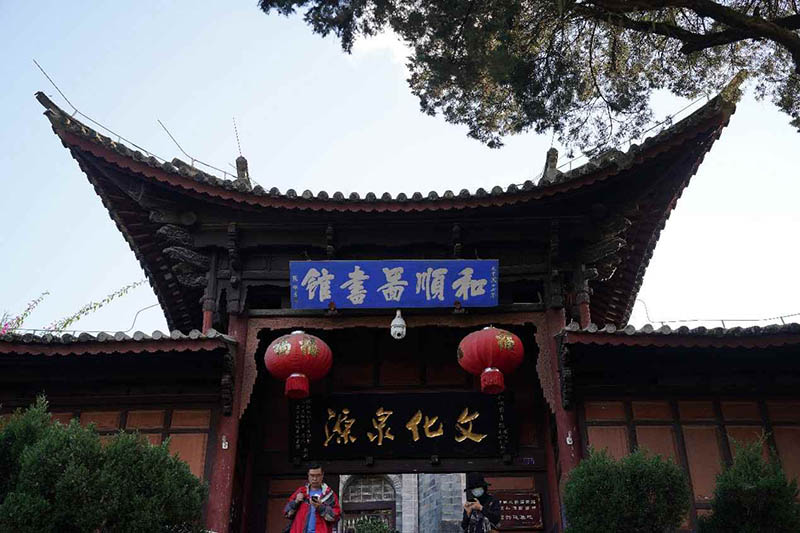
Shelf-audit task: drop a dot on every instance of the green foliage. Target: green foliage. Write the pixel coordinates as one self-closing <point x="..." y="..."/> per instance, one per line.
<point x="9" y="323"/>
<point x="752" y="496"/>
<point x="56" y="478"/>
<point x="582" y="69"/>
<point x="639" y="494"/>
<point x="370" y="524"/>
<point x="91" y="307"/>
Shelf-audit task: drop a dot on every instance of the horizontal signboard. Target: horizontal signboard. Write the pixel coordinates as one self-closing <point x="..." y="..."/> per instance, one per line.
<point x="393" y="283"/>
<point x="401" y="425"/>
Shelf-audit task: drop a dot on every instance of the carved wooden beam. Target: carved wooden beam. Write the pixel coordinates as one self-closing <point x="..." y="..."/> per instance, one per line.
<point x="175" y="235"/>
<point x="163" y="216"/>
<point x="593" y="253"/>
<point x="181" y="254"/>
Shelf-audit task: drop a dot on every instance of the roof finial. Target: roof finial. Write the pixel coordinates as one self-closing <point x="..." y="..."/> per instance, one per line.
<point x="241" y="169"/>
<point x="550" y="171"/>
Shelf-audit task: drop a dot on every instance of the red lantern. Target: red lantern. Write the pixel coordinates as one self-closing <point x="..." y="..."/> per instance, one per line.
<point x="298" y="358"/>
<point x="490" y="352"/>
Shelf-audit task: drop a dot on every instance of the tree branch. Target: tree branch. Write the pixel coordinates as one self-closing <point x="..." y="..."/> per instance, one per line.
<point x="741" y="26"/>
<point x="729" y="36"/>
<point x="658" y="28"/>
<point x="759" y="27"/>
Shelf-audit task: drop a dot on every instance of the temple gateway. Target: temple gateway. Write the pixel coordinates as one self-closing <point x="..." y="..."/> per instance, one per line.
<point x="323" y="327"/>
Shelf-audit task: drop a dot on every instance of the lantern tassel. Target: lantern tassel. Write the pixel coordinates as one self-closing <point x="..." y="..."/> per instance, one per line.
<point x="297" y="386"/>
<point x="492" y="381"/>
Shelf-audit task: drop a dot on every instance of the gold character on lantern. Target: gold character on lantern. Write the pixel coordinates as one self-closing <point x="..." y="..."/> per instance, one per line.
<point x="466" y="419"/>
<point x="505" y="341"/>
<point x="282" y="348"/>
<point x="413" y="426"/>
<point x="379" y="423"/>
<point x="308" y="345"/>
<point x="342" y="426"/>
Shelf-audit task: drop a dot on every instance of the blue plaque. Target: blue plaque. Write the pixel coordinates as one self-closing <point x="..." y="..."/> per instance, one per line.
<point x="395" y="283"/>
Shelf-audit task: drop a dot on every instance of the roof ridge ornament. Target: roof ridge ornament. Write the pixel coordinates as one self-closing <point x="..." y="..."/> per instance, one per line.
<point x="551" y="172"/>
<point x="242" y="173"/>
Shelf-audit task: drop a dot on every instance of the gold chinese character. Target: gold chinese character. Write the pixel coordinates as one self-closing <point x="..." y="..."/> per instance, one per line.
<point x="282" y="348"/>
<point x="413" y="426"/>
<point x="466" y="419"/>
<point x="505" y="341"/>
<point x="379" y="423"/>
<point x="308" y="345"/>
<point x="342" y="426"/>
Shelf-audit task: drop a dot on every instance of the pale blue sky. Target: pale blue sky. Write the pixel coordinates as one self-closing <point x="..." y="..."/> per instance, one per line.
<point x="311" y="117"/>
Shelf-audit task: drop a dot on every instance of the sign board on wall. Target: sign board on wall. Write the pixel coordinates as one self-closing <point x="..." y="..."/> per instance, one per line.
<point x="519" y="509"/>
<point x="393" y="283"/>
<point x="395" y="426"/>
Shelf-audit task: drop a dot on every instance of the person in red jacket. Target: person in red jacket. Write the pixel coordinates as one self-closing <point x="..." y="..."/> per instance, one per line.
<point x="314" y="507"/>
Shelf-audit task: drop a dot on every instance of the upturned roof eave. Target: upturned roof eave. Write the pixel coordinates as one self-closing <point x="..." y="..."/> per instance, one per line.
<point x="184" y="177"/>
<point x="712" y="117"/>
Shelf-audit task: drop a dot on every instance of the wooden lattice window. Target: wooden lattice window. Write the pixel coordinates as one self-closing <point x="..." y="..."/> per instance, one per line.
<point x="368" y="496"/>
<point x="369" y="489"/>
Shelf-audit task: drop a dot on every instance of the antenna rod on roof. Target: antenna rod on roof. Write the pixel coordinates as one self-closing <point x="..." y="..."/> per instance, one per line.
<point x="236" y="131"/>
<point x="176" y="142"/>
<point x="75" y="109"/>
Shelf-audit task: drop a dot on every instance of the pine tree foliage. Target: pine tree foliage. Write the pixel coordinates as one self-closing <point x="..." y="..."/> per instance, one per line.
<point x="58" y="478"/>
<point x="641" y="493"/>
<point x="753" y="496"/>
<point x="584" y="69"/>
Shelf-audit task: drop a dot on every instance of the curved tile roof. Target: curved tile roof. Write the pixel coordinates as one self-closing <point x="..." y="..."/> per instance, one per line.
<point x="604" y="165"/>
<point x="119" y="342"/>
<point x="650" y="335"/>
<point x="689" y="138"/>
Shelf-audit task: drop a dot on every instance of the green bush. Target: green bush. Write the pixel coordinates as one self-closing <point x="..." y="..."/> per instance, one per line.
<point x="640" y="493"/>
<point x="753" y="496"/>
<point x="57" y="478"/>
<point x="370" y="524"/>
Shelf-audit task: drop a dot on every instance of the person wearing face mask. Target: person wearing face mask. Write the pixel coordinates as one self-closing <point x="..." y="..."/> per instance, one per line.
<point x="481" y="511"/>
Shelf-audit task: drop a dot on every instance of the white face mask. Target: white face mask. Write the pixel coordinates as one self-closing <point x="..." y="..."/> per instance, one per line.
<point x="477" y="492"/>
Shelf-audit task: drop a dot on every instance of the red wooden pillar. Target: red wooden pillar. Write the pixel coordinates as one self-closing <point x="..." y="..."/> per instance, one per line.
<point x="220" y="490"/>
<point x="207" y="318"/>
<point x="570" y="451"/>
<point x="585" y="316"/>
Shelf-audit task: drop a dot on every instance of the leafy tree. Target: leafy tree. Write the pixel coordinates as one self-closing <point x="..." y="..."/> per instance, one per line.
<point x="753" y="495"/>
<point x="584" y="69"/>
<point x="637" y="494"/>
<point x="56" y="478"/>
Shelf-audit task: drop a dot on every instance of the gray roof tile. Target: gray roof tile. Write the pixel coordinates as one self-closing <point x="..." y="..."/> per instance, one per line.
<point x="117" y="337"/>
